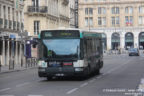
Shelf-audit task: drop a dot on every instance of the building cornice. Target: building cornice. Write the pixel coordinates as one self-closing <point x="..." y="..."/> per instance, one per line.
<point x="111" y="3"/>
<point x="8" y="30"/>
<point x="7" y="2"/>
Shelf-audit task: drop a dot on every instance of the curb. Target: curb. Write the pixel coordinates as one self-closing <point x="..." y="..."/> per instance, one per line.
<point x="17" y="70"/>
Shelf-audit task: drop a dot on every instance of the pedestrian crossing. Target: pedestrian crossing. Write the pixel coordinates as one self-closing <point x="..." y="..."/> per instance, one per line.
<point x="141" y="86"/>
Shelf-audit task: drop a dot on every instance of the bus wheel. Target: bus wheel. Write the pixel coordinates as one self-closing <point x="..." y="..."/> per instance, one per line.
<point x="97" y="71"/>
<point x="88" y="70"/>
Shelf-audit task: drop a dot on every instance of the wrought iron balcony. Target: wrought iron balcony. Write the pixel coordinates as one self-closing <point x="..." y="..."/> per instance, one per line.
<point x="40" y="9"/>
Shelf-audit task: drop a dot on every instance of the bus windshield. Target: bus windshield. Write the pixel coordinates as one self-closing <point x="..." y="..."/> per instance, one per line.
<point x="61" y="48"/>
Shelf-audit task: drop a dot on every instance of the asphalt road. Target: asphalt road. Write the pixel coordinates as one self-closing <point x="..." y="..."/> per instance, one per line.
<point x="120" y="76"/>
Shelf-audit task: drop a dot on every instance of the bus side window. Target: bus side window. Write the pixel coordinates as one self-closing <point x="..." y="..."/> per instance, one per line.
<point x="98" y="48"/>
<point x="82" y="49"/>
<point x="85" y="47"/>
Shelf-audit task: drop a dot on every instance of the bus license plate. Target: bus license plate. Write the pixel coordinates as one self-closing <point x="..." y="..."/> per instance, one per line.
<point x="54" y="64"/>
<point x="59" y="74"/>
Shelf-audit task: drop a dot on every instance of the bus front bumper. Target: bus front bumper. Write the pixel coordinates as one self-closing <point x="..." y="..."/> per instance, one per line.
<point x="61" y="71"/>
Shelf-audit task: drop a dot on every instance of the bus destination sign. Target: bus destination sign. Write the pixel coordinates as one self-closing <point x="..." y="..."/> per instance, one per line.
<point x="60" y="33"/>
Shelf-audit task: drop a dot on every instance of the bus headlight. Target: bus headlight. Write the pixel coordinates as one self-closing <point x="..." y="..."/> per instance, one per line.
<point x="78" y="69"/>
<point x="79" y="63"/>
<point x="42" y="64"/>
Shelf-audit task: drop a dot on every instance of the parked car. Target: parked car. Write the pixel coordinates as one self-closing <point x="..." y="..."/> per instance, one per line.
<point x="133" y="52"/>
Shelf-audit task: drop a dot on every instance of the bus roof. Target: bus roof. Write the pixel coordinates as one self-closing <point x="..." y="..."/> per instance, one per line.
<point x="83" y="33"/>
<point x="62" y="29"/>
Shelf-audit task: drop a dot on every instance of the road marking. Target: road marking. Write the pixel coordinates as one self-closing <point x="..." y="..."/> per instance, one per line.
<point x="5" y="77"/>
<point x="141" y="85"/>
<point x="20" y="85"/>
<point x="117" y="67"/>
<point x="5" y="89"/>
<point x="99" y="77"/>
<point x="71" y="91"/>
<point x="7" y="95"/>
<point x="84" y="84"/>
<point x="91" y="81"/>
<point x="35" y="95"/>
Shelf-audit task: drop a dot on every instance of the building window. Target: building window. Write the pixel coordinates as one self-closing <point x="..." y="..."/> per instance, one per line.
<point x="86" y="11"/>
<point x="35" y="3"/>
<point x="36" y="27"/>
<point x="89" y="11"/>
<point x="141" y="9"/>
<point x="91" y="21"/>
<point x="129" y="10"/>
<point x="101" y="10"/>
<point x="101" y="21"/>
<point x="129" y="20"/>
<point x="88" y="21"/>
<point x="141" y="20"/>
<point x="115" y="10"/>
<point x="0" y="11"/>
<point x="115" y="21"/>
<point x="13" y="18"/>
<point x="101" y="0"/>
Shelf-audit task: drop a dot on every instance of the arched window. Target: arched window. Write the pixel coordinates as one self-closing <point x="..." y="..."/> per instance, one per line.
<point x="115" y="40"/>
<point x="141" y="40"/>
<point x="104" y="41"/>
<point x="129" y="40"/>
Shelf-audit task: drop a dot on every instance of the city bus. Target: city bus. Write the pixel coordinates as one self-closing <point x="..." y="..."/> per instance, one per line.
<point x="69" y="52"/>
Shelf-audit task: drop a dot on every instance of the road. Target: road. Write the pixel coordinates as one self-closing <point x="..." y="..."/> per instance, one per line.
<point x="120" y="76"/>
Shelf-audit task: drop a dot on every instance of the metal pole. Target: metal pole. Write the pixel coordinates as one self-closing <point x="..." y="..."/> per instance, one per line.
<point x="0" y="63"/>
<point x="76" y="13"/>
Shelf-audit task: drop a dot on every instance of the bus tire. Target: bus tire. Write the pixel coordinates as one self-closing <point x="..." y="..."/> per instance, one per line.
<point x="88" y="70"/>
<point x="97" y="71"/>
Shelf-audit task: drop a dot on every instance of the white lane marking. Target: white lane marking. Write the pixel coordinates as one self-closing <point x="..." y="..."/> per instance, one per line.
<point x="117" y="67"/>
<point x="35" y="95"/>
<point x="91" y="81"/>
<point x="84" y="84"/>
<point x="71" y="91"/>
<point x="142" y="81"/>
<point x="5" y="89"/>
<point x="141" y="85"/>
<point x="5" y="77"/>
<point x="20" y="85"/>
<point x="7" y="95"/>
<point x="99" y="77"/>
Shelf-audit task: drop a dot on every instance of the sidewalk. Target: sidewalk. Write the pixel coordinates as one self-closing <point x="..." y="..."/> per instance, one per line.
<point x="7" y="68"/>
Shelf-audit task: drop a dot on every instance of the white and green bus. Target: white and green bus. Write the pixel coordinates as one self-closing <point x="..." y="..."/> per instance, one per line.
<point x="69" y="52"/>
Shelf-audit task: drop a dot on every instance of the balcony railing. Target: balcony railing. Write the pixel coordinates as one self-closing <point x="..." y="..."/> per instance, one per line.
<point x="41" y="9"/>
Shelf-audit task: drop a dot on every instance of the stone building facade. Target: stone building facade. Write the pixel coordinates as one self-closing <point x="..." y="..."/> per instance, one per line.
<point x="120" y="21"/>
<point x="45" y="14"/>
<point x="11" y="28"/>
